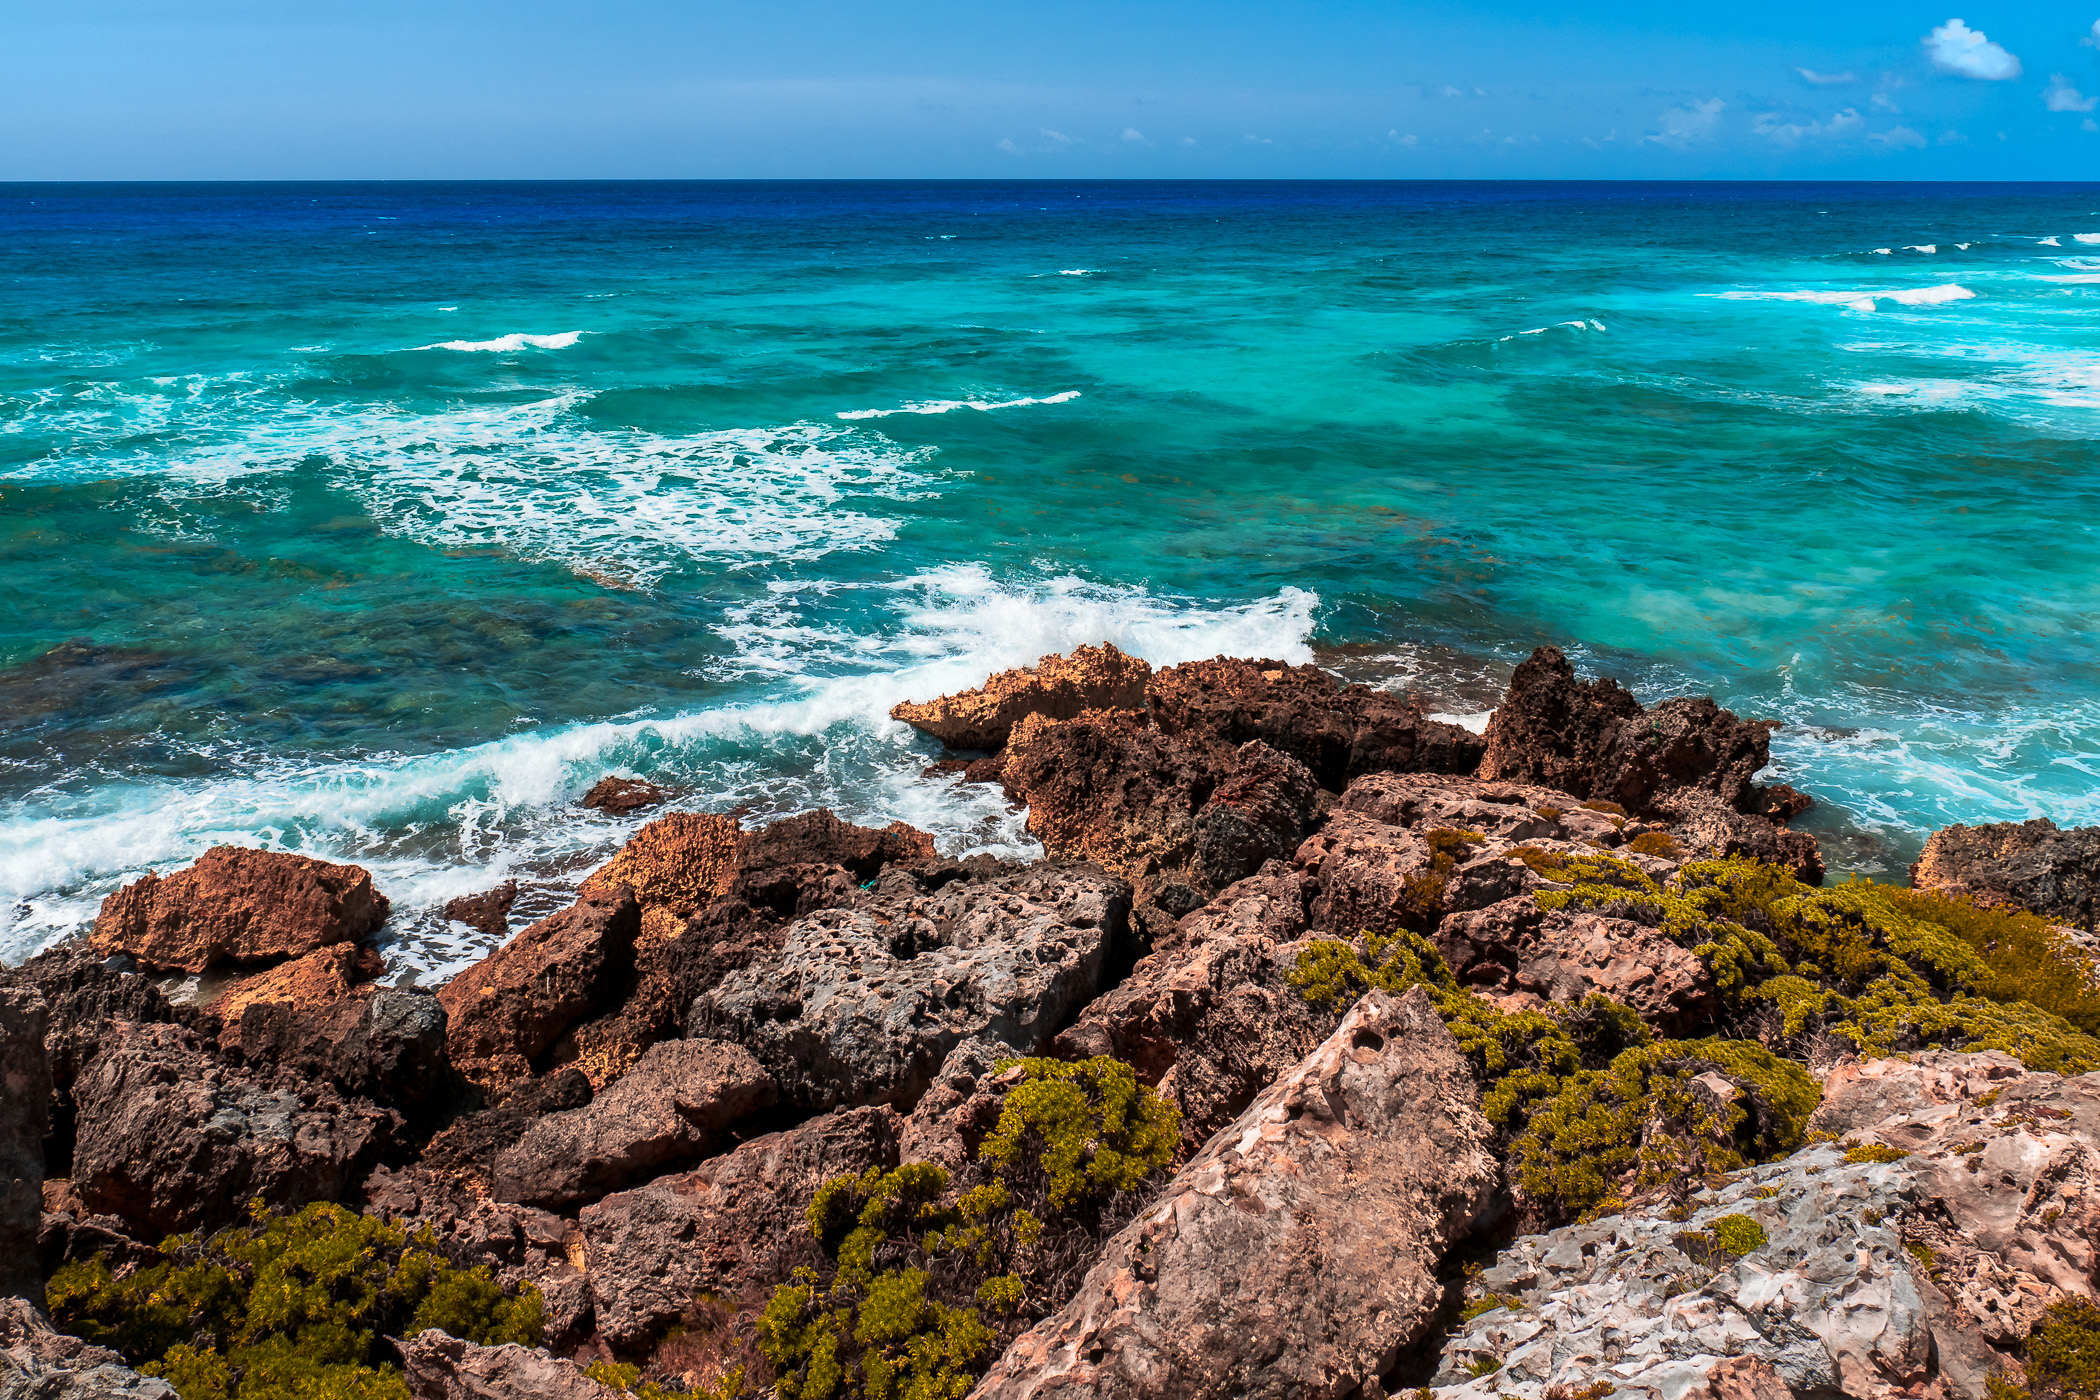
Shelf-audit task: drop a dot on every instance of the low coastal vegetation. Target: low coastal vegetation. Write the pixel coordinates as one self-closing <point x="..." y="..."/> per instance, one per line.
<point x="288" y="1305"/>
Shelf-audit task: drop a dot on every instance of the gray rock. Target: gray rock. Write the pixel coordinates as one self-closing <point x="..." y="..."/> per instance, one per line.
<point x="1521" y="957"/>
<point x="38" y="1362"/>
<point x="25" y="1106"/>
<point x="2028" y="865"/>
<point x="673" y="1106"/>
<point x="439" y="1366"/>
<point x="861" y="1006"/>
<point x="1297" y="1253"/>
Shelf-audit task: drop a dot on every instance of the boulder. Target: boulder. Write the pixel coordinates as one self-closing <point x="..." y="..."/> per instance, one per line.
<point x="487" y="912"/>
<point x="1689" y="742"/>
<point x="1550" y="727"/>
<point x="676" y="866"/>
<point x="170" y="1139"/>
<point x="2031" y="865"/>
<point x="38" y="1362"/>
<point x="1102" y="787"/>
<point x="673" y="1106"/>
<point x="1705" y="828"/>
<point x="1297" y="1254"/>
<point x="1522" y="957"/>
<point x="714" y="1230"/>
<point x="1056" y="687"/>
<point x="385" y="1044"/>
<point x="325" y="975"/>
<point x="1256" y="813"/>
<point x="25" y="1108"/>
<point x="861" y="1005"/>
<point x="503" y="1013"/>
<point x="1337" y="731"/>
<point x="240" y="906"/>
<point x="466" y="1150"/>
<point x="813" y="860"/>
<point x="85" y="994"/>
<point x="616" y="797"/>
<point x="439" y="1366"/>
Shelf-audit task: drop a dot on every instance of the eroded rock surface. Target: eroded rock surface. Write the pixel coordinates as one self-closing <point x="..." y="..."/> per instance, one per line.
<point x="25" y="1106"/>
<point x="1522" y="957"/>
<point x="2031" y="865"/>
<point x="861" y="1005"/>
<point x="440" y="1366"/>
<point x="1296" y="1254"/>
<point x="239" y="906"/>
<point x="617" y="796"/>
<point x="676" y="866"/>
<point x="1057" y="687"/>
<point x="38" y="1362"/>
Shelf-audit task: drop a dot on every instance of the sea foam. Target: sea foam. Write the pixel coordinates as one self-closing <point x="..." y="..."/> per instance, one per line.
<point x="950" y="405"/>
<point x="511" y="343"/>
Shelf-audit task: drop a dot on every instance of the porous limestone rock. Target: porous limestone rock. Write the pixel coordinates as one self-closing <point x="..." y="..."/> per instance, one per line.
<point x="616" y="796"/>
<point x="239" y="906"/>
<point x="487" y="912"/>
<point x="439" y="1366"/>
<point x="385" y="1044"/>
<point x="861" y="1005"/>
<point x="1550" y="727"/>
<point x="25" y="1106"/>
<point x="676" y="866"/>
<point x="1522" y="957"/>
<point x="2032" y="865"/>
<point x="672" y="1106"/>
<point x="1256" y="813"/>
<point x="1102" y="787"/>
<point x="38" y="1362"/>
<point x="1297" y="1253"/>
<point x="1057" y="687"/>
<point x="653" y="1250"/>
<point x="504" y="1012"/>
<point x="171" y="1139"/>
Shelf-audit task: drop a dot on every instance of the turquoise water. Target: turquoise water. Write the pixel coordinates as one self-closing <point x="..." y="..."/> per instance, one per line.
<point x="378" y="521"/>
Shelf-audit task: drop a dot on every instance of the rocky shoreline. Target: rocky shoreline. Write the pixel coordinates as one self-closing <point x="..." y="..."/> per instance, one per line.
<point x="1332" y="1050"/>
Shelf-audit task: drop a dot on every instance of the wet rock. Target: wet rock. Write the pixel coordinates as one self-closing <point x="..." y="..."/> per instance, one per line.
<point x="1550" y="727"/>
<point x="38" y="1362"/>
<point x="1337" y="731"/>
<point x="1104" y="788"/>
<point x="1056" y="687"/>
<point x="1257" y="813"/>
<point x="239" y="906"/>
<point x="1211" y="1020"/>
<point x="1297" y="1253"/>
<point x="2031" y="865"/>
<point x="714" y="1230"/>
<point x="505" y="1012"/>
<point x="487" y="912"/>
<point x="861" y="1005"/>
<point x="616" y="797"/>
<point x="25" y="1106"/>
<point x="439" y="1366"/>
<point x="1523" y="957"/>
<point x="676" y="865"/>
<point x="170" y="1139"/>
<point x="673" y="1106"/>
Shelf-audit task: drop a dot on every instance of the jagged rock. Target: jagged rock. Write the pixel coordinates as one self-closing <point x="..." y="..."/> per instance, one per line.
<point x="439" y="1366"/>
<point x="1057" y="687"/>
<point x="2030" y="865"/>
<point x="504" y="1012"/>
<point x="25" y="1107"/>
<point x="85" y="995"/>
<point x="655" y="1249"/>
<point x="1104" y="788"/>
<point x="1522" y="957"/>
<point x="322" y="976"/>
<point x="813" y="861"/>
<point x="468" y="1146"/>
<point x="672" y="1106"/>
<point x="1257" y="813"/>
<point x="1211" y="1020"/>
<point x="676" y="865"/>
<point x="38" y="1362"/>
<point x="861" y="1005"/>
<point x="1703" y="827"/>
<point x="1297" y="1253"/>
<point x="241" y="906"/>
<point x="1688" y="742"/>
<point x="1550" y="727"/>
<point x="386" y="1044"/>
<point x="170" y="1139"/>
<point x="955" y="1116"/>
<point x="616" y="797"/>
<point x="1337" y="731"/>
<point x="487" y="912"/>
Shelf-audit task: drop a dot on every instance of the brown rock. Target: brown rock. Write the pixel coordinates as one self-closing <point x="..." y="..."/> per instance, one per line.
<point x="1297" y="1253"/>
<point x="466" y="1149"/>
<point x="618" y="796"/>
<point x="1704" y="828"/>
<point x="25" y="1106"/>
<point x="85" y="997"/>
<point x="673" y="1106"/>
<point x="38" y="1362"/>
<point x="1102" y="787"/>
<point x="488" y="912"/>
<point x="324" y="976"/>
<point x="240" y="906"/>
<point x="1257" y="813"/>
<point x="508" y="1009"/>
<point x="1337" y="731"/>
<point x="655" y="1249"/>
<point x="439" y="1366"/>
<point x="1522" y="956"/>
<point x="1689" y="742"/>
<point x="1551" y="727"/>
<point x="385" y="1044"/>
<point x="1056" y="687"/>
<point x="813" y="860"/>
<point x="676" y="866"/>
<point x="2031" y="865"/>
<point x="170" y="1139"/>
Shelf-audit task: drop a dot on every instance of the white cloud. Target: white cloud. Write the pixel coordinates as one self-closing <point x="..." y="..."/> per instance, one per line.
<point x="2090" y="125"/>
<point x="1136" y="137"/>
<point x="1188" y="140"/>
<point x="1260" y="140"/>
<point x="1058" y="136"/>
<point x="1841" y="124"/>
<point x="1828" y="79"/>
<point x="1685" y="127"/>
<point x="1881" y="103"/>
<point x="2092" y="40"/>
<point x="1410" y="140"/>
<point x="1956" y="48"/>
<point x="1009" y="147"/>
<point x="2062" y="97"/>
<point x="1953" y="138"/>
<point x="1897" y="138"/>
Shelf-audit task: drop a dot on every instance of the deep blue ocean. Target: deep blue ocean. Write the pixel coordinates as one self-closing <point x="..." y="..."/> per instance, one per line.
<point x="377" y="521"/>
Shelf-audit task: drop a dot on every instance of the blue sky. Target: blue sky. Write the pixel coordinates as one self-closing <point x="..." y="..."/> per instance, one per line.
<point x="346" y="89"/>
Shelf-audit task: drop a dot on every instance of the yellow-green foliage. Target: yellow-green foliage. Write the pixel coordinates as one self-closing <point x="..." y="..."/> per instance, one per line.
<point x="1882" y="967"/>
<point x="1874" y="1152"/>
<point x="1738" y="1234"/>
<point x="1653" y="843"/>
<point x="2063" y="1351"/>
<point x="1487" y="1303"/>
<point x="627" y="1380"/>
<point x="288" y="1305"/>
<point x="896" y="1315"/>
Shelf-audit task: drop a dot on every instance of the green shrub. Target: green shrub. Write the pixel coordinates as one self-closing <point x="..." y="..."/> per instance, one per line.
<point x="288" y="1305"/>
<point x="1738" y="1234"/>
<point x="1090" y="1125"/>
<point x="2063" y="1350"/>
<point x="1653" y="843"/>
<point x="1874" y="1152"/>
